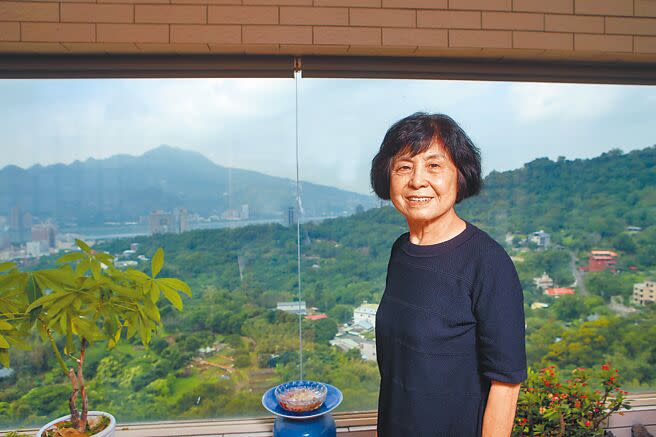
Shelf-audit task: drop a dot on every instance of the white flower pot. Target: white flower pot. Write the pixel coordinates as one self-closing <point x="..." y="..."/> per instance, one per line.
<point x="107" y="432"/>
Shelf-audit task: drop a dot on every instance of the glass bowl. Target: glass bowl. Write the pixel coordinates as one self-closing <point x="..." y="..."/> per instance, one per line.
<point x="301" y="396"/>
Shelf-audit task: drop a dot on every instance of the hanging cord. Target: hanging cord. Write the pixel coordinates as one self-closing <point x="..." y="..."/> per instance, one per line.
<point x="297" y="76"/>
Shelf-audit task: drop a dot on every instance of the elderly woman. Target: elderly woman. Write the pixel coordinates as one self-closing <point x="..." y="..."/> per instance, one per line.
<point x="450" y="325"/>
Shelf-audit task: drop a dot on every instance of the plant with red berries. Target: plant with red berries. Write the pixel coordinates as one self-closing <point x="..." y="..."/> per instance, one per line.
<point x="574" y="407"/>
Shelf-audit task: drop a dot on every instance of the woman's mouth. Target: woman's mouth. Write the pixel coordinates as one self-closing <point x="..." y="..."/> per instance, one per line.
<point x="419" y="199"/>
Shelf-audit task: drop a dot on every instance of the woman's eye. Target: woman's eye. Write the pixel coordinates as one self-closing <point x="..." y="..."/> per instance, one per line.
<point x="435" y="165"/>
<point x="404" y="167"/>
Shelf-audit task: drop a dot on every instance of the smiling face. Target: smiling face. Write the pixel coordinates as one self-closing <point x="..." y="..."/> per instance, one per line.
<point x="424" y="187"/>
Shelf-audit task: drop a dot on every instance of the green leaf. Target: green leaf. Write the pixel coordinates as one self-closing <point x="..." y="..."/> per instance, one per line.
<point x="154" y="292"/>
<point x="4" y="357"/>
<point x="33" y="290"/>
<point x="82" y="245"/>
<point x="42" y="301"/>
<point x="7" y="266"/>
<point x="172" y="297"/>
<point x="136" y="275"/>
<point x="70" y="257"/>
<point x="157" y="262"/>
<point x="176" y="284"/>
<point x="5" y="326"/>
<point x="95" y="269"/>
<point x="4" y="343"/>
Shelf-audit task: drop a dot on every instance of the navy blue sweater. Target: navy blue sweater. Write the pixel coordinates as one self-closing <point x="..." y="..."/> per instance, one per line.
<point x="451" y="319"/>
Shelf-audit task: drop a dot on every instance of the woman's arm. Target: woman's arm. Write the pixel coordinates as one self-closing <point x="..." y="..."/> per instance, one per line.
<point x="500" y="409"/>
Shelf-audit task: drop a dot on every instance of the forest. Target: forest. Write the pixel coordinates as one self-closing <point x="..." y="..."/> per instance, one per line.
<point x="229" y="344"/>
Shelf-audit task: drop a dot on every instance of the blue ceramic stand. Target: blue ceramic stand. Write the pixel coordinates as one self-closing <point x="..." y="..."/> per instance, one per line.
<point x="315" y="423"/>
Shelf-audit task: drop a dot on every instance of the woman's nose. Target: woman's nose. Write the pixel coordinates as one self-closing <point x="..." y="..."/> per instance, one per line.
<point x="418" y="178"/>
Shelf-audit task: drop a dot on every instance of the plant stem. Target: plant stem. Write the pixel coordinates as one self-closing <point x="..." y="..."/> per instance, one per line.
<point x="85" y="409"/>
<point x="60" y="360"/>
<point x="75" y="418"/>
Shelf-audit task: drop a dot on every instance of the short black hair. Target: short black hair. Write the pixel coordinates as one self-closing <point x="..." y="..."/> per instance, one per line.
<point x="416" y="133"/>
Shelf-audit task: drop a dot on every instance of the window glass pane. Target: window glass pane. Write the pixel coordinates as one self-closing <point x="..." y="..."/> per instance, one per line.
<point x="206" y="169"/>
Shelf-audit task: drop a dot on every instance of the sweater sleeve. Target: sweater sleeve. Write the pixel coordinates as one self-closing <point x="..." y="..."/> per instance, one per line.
<point x="498" y="305"/>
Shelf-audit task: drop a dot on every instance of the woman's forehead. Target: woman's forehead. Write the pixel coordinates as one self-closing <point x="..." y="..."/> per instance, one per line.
<point x="435" y="150"/>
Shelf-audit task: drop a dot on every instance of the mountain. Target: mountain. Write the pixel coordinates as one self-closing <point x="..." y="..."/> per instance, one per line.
<point x="599" y="196"/>
<point x="124" y="187"/>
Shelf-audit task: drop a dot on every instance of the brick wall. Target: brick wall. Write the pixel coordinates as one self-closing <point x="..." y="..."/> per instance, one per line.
<point x="524" y="29"/>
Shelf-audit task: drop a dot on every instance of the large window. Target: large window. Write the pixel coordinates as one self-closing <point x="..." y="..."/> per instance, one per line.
<point x="206" y="169"/>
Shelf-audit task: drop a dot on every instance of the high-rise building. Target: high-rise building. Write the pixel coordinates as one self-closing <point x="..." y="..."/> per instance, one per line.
<point x="182" y="220"/>
<point x="291" y="216"/>
<point x="20" y="225"/>
<point x="44" y="233"/>
<point x="161" y="222"/>
<point x="244" y="212"/>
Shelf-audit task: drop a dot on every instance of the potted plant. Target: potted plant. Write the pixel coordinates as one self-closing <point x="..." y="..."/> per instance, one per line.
<point x="83" y="301"/>
<point x="578" y="406"/>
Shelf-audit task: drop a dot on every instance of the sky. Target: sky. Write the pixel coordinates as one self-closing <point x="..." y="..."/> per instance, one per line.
<point x="251" y="123"/>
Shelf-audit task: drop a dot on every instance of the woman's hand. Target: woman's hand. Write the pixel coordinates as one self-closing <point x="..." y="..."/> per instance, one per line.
<point x="500" y="409"/>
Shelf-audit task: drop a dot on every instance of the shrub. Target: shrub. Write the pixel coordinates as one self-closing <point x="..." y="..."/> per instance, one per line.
<point x="575" y="407"/>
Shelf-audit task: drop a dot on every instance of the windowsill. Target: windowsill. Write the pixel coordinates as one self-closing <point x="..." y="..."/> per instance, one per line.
<point x="349" y="424"/>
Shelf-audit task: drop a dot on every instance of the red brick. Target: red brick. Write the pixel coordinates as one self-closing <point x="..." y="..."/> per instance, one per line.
<point x="382" y="17"/>
<point x="573" y="23"/>
<point x="415" y="37"/>
<point x="513" y="21"/>
<point x="97" y="13"/>
<point x="32" y="11"/>
<point x="631" y="26"/>
<point x="133" y="33"/>
<point x="553" y="6"/>
<point x="481" y="5"/>
<point x="480" y="38"/>
<point x="645" y="8"/>
<point x="603" y="7"/>
<point x="543" y="40"/>
<point x="9" y="31"/>
<point x="242" y="14"/>
<point x="262" y="34"/>
<point x="166" y="2"/>
<point x="32" y="47"/>
<point x="449" y="19"/>
<point x="57" y="32"/>
<point x="205" y="33"/>
<point x="416" y="4"/>
<point x="170" y="14"/>
<point x="208" y="2"/>
<point x="347" y="35"/>
<point x="603" y="43"/>
<point x="279" y="2"/>
<point x="644" y="44"/>
<point x="349" y="3"/>
<point x="172" y="48"/>
<point x="314" y="15"/>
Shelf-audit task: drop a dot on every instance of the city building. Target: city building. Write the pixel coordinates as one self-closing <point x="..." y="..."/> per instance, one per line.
<point x="291" y="216"/>
<point x="644" y="293"/>
<point x="365" y="313"/>
<point x="182" y="220"/>
<point x="599" y="260"/>
<point x="161" y="222"/>
<point x="559" y="291"/>
<point x="539" y="305"/>
<point x="292" y="307"/>
<point x="244" y="212"/>
<point x="45" y="233"/>
<point x="543" y="281"/>
<point x="20" y="226"/>
<point x="541" y="238"/>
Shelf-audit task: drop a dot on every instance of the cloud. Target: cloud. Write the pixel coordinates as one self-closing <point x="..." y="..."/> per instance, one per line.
<point x="534" y="102"/>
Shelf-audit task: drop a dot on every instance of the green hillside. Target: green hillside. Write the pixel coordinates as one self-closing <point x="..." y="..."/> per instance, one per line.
<point x="584" y="204"/>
